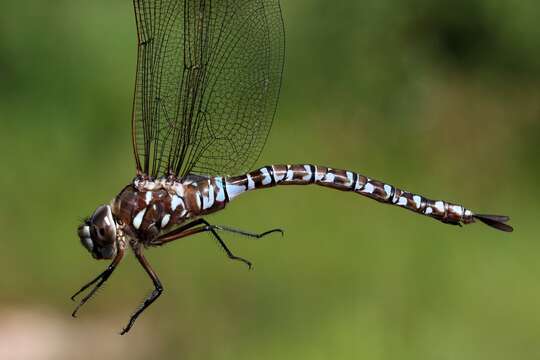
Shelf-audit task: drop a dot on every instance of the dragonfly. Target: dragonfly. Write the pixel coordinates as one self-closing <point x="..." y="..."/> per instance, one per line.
<point x="208" y="78"/>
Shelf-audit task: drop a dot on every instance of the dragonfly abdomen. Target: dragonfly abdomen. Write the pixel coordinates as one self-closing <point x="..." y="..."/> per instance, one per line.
<point x="345" y="180"/>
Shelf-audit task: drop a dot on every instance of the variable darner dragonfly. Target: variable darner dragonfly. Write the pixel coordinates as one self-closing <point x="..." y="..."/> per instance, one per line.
<point x="207" y="84"/>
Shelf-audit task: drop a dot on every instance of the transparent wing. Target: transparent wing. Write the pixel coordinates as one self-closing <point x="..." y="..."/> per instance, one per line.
<point x="208" y="81"/>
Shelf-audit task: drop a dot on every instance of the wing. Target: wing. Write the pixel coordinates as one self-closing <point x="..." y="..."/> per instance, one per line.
<point x="208" y="80"/>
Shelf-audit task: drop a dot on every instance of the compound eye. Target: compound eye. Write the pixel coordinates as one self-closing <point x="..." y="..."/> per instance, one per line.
<point x="103" y="227"/>
<point x="100" y="233"/>
<point x="103" y="235"/>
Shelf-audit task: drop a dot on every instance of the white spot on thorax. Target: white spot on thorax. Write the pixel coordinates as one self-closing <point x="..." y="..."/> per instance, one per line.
<point x="428" y="211"/>
<point x="220" y="196"/>
<point x="439" y="205"/>
<point x="208" y="201"/>
<point x="148" y="197"/>
<point x="198" y="199"/>
<point x="175" y="201"/>
<point x="165" y="220"/>
<point x="137" y="220"/>
<point x="179" y="189"/>
<point x="153" y="185"/>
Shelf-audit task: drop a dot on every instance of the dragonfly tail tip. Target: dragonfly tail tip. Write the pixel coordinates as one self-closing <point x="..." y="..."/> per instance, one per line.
<point x="495" y="221"/>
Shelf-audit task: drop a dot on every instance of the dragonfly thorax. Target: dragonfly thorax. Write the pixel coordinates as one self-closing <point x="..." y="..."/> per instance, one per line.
<point x="98" y="233"/>
<point x="149" y="207"/>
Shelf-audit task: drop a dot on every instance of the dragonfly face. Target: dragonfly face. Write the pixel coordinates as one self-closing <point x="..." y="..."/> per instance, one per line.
<point x="98" y="234"/>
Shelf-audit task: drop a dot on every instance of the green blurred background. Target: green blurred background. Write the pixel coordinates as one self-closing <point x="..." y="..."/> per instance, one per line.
<point x="438" y="97"/>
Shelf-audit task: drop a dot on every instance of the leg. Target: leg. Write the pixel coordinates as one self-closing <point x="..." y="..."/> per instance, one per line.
<point x="194" y="228"/>
<point x="100" y="281"/>
<point x="181" y="232"/>
<point x="158" y="289"/>
<point x="227" y="251"/>
<point x="245" y="233"/>
<point x="178" y="233"/>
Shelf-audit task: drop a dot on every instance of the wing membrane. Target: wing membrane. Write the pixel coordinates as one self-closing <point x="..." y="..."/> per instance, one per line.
<point x="208" y="80"/>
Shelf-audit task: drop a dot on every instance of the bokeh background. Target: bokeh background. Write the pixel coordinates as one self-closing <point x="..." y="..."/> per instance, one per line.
<point x="438" y="97"/>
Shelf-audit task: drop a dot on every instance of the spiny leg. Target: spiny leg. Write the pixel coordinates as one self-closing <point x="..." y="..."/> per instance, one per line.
<point x="246" y="233"/>
<point x="192" y="228"/>
<point x="195" y="227"/>
<point x="227" y="251"/>
<point x="173" y="234"/>
<point x="158" y="289"/>
<point x="100" y="279"/>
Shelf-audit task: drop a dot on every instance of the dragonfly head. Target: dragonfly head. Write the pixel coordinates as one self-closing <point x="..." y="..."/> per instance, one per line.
<point x="98" y="233"/>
